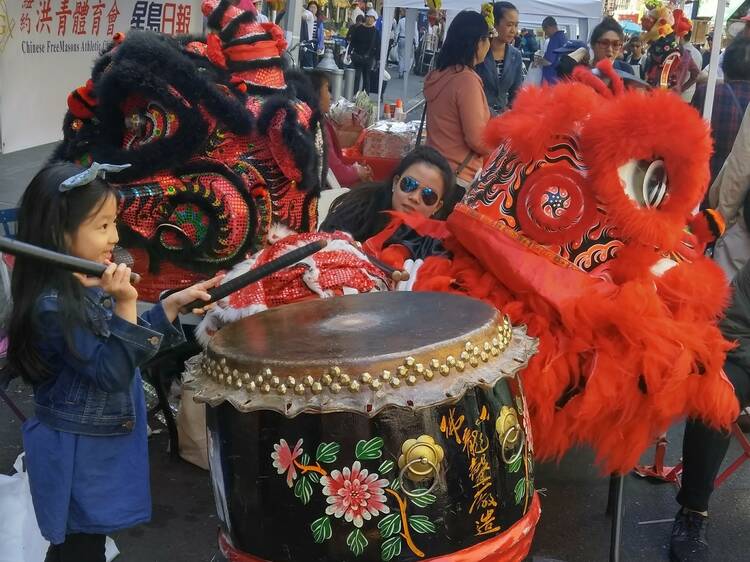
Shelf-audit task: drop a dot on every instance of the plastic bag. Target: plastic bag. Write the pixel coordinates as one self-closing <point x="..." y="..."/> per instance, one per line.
<point x="534" y="76"/>
<point x="20" y="538"/>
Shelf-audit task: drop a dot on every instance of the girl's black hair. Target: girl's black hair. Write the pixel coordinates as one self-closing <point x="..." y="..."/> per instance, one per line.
<point x="48" y="218"/>
<point x="318" y="79"/>
<point x="500" y="9"/>
<point x="607" y="24"/>
<point x="361" y="211"/>
<point x="736" y="63"/>
<point x="461" y="41"/>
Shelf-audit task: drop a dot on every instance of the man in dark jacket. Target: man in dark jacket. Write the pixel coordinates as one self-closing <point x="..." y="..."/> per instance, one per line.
<point x="704" y="448"/>
<point x="556" y="39"/>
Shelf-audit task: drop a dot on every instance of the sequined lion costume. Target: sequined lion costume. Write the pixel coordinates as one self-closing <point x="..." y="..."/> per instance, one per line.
<point x="222" y="143"/>
<point x="663" y="27"/>
<point x="578" y="228"/>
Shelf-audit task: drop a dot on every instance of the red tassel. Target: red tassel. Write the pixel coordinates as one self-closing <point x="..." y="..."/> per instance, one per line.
<point x="82" y="101"/>
<point x="277" y="34"/>
<point x="215" y="52"/>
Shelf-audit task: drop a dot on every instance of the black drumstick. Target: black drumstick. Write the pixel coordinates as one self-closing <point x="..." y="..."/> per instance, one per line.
<point x="64" y="261"/>
<point x="255" y="275"/>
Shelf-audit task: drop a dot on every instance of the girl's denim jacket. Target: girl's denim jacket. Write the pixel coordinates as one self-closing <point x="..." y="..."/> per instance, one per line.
<point x="89" y="389"/>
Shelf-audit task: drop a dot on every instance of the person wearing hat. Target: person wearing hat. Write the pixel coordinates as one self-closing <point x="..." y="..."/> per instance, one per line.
<point x="573" y="53"/>
<point x="363" y="43"/>
<point x="357" y="10"/>
<point x="555" y="39"/>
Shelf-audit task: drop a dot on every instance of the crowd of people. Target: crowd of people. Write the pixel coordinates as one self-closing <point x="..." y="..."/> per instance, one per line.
<point x="478" y="71"/>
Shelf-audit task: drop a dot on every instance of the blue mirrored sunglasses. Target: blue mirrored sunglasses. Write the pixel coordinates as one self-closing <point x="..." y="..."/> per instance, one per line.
<point x="408" y="185"/>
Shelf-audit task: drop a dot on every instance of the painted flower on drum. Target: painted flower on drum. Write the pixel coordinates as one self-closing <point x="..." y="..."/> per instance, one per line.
<point x="284" y="457"/>
<point x="355" y="494"/>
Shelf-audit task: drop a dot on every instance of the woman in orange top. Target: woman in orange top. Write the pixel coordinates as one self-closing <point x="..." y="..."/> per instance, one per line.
<point x="457" y="110"/>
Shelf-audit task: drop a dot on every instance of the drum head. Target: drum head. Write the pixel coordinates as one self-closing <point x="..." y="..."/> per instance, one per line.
<point x="361" y="353"/>
<point x="354" y="329"/>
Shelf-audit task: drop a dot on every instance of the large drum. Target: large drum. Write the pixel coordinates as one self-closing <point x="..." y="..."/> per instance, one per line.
<point x="377" y="427"/>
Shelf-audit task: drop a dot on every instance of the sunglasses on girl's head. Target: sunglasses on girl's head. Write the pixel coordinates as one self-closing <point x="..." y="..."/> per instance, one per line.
<point x="408" y="184"/>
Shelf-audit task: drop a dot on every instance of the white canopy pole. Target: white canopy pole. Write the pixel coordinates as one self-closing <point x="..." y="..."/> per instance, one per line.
<point x="293" y="26"/>
<point x="411" y="24"/>
<point x="385" y="35"/>
<point x="713" y="65"/>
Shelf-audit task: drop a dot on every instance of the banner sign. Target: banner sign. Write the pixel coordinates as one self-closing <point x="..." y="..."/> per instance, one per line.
<point x="47" y="48"/>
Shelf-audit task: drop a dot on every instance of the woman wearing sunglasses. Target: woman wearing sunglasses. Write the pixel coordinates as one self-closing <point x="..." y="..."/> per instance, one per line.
<point x="607" y="40"/>
<point x="422" y="183"/>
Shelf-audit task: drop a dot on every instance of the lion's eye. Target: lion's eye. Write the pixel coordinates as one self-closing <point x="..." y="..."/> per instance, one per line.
<point x="644" y="182"/>
<point x="655" y="184"/>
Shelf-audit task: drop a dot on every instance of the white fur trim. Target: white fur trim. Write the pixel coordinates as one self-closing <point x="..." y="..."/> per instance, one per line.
<point x="278" y="232"/>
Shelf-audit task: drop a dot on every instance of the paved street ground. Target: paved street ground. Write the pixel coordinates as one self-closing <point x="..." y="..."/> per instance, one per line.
<point x="573" y="527"/>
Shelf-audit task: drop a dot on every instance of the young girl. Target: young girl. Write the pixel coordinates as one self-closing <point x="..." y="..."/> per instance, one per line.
<point x="79" y="342"/>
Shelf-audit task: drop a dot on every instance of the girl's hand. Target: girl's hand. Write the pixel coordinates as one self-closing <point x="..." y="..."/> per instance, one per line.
<point x="174" y="302"/>
<point x="115" y="282"/>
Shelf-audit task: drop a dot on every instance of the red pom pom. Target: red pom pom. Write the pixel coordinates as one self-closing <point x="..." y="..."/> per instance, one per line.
<point x="82" y="101"/>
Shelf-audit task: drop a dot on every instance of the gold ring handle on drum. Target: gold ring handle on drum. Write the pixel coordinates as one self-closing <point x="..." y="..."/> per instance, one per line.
<point x="408" y="466"/>
<point x="504" y="444"/>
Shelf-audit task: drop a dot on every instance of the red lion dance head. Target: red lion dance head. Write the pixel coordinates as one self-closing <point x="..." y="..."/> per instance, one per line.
<point x="578" y="228"/>
<point x="599" y="183"/>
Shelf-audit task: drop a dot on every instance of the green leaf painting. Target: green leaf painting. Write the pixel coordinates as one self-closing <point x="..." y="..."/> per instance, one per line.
<point x="421" y="524"/>
<point x="390" y="548"/>
<point x="516" y="465"/>
<point x="390" y="525"/>
<point x="303" y="489"/>
<point x="385" y="467"/>
<point x="327" y="452"/>
<point x="369" y="450"/>
<point x="321" y="529"/>
<point x="520" y="490"/>
<point x="422" y="499"/>
<point x="356" y="542"/>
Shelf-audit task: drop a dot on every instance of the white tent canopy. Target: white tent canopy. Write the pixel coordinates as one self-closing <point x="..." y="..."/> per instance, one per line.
<point x="579" y="14"/>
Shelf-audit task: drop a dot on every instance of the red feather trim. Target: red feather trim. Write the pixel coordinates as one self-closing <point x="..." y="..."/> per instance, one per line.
<point x="615" y="366"/>
<point x="584" y="76"/>
<point x="684" y="146"/>
<point x="563" y="107"/>
<point x="616" y="84"/>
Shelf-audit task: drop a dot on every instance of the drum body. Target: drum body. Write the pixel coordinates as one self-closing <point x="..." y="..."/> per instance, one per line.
<point x="434" y="461"/>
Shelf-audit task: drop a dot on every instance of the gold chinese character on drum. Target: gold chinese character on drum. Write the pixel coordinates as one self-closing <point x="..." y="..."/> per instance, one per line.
<point x="377" y="427"/>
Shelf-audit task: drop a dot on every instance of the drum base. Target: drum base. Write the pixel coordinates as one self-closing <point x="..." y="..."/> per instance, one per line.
<point x="512" y="545"/>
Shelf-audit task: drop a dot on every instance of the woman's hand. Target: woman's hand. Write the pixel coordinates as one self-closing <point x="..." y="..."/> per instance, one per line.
<point x="174" y="302"/>
<point x="364" y="172"/>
